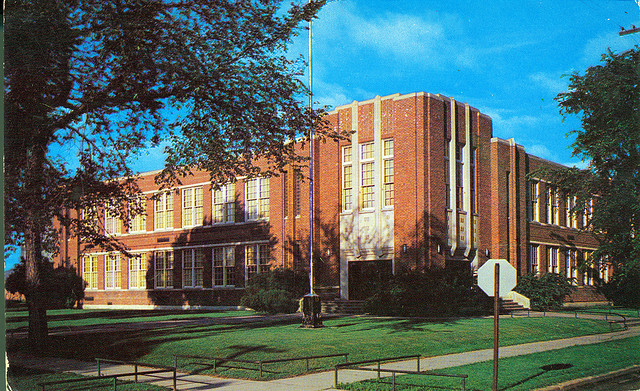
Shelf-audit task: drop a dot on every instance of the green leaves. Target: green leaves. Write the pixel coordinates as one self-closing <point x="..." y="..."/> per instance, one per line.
<point x="607" y="97"/>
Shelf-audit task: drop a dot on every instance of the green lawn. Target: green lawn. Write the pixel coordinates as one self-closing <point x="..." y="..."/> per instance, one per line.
<point x="361" y="337"/>
<point x="627" y="312"/>
<point x="16" y="320"/>
<point x="525" y="372"/>
<point x="22" y="379"/>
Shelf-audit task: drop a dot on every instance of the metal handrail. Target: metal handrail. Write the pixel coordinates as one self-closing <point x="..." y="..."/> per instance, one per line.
<point x="394" y="372"/>
<point x="114" y="377"/>
<point x="259" y="363"/>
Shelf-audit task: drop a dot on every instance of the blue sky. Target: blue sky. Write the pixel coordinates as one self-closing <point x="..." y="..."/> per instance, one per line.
<point x="509" y="59"/>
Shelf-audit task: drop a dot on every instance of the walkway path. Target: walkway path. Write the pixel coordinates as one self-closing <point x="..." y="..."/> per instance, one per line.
<point x="321" y="380"/>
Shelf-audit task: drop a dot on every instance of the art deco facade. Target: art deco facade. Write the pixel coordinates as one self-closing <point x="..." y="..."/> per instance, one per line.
<point x="421" y="182"/>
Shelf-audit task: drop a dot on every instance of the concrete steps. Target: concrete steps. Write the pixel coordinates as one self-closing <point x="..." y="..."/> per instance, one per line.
<point x="508" y="306"/>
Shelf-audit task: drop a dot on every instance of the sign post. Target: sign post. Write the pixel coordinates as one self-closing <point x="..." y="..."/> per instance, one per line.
<point x="497" y="283"/>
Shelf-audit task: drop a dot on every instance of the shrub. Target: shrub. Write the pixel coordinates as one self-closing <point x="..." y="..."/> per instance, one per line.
<point x="623" y="288"/>
<point x="275" y="291"/>
<point x="63" y="286"/>
<point x="432" y="292"/>
<point x="546" y="291"/>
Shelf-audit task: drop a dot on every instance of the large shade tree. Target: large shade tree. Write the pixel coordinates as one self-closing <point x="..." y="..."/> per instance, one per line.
<point x="607" y="99"/>
<point x="91" y="83"/>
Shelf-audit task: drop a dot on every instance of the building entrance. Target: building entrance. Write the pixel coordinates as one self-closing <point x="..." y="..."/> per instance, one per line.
<point x="367" y="277"/>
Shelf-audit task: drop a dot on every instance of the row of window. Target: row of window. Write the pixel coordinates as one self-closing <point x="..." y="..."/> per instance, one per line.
<point x="161" y="269"/>
<point x="366" y="167"/>
<point x="223" y="208"/>
<point x="567" y="262"/>
<point x="552" y="208"/>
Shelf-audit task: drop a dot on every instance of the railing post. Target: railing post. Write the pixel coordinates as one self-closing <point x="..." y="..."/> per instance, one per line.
<point x="393" y="381"/>
<point x="175" y="361"/>
<point x="307" y="364"/>
<point x="99" y="373"/>
<point x="463" y="384"/>
<point x="335" y="379"/>
<point x="346" y="358"/>
<point x="260" y="368"/>
<point x="418" y="364"/>
<point x="135" y="370"/>
<point x="378" y="370"/>
<point x="214" y="365"/>
<point x="115" y="383"/>
<point x="175" y="379"/>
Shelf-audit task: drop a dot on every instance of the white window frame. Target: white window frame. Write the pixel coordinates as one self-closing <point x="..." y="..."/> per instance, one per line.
<point x="112" y="271"/>
<point x="388" y="175"/>
<point x="224" y="204"/>
<point x="138" y="220"/>
<point x="257" y="259"/>
<point x="90" y="271"/>
<point x="192" y="202"/>
<point x="257" y="199"/>
<point x="224" y="263"/>
<point x="534" y="258"/>
<point x="138" y="271"/>
<point x="193" y="267"/>
<point x="367" y="175"/>
<point x="163" y="264"/>
<point x="347" y="178"/>
<point x="163" y="211"/>
<point x="112" y="222"/>
<point x="534" y="206"/>
<point x="552" y="259"/>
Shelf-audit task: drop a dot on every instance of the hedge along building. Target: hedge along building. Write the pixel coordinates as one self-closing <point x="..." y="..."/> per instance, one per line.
<point x="420" y="183"/>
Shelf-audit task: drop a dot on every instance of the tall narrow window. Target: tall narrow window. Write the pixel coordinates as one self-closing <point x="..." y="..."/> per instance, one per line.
<point x="367" y="175"/>
<point x="90" y="271"/>
<point x="297" y="195"/>
<point x="137" y="210"/>
<point x="163" y="266"/>
<point x="387" y="158"/>
<point x="224" y="262"/>
<point x="192" y="263"/>
<point x="459" y="177"/>
<point x="572" y="265"/>
<point x="224" y="204"/>
<point x="138" y="272"/>
<point x="534" y="208"/>
<point x="534" y="258"/>
<point x="192" y="207"/>
<point x="552" y="259"/>
<point x="112" y="221"/>
<point x="257" y="198"/>
<point x="90" y="219"/>
<point x="257" y="259"/>
<point x="347" y="179"/>
<point x="112" y="271"/>
<point x="472" y="181"/>
<point x="447" y="176"/>
<point x="285" y="194"/>
<point x="163" y="211"/>
<point x="552" y="206"/>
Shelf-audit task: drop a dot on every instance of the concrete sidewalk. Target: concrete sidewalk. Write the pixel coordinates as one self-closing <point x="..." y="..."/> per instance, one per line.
<point x="316" y="381"/>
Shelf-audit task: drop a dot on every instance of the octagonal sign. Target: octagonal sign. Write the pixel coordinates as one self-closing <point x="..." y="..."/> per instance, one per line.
<point x="486" y="275"/>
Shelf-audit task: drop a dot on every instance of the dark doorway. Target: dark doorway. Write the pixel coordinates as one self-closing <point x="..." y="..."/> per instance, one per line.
<point x="366" y="277"/>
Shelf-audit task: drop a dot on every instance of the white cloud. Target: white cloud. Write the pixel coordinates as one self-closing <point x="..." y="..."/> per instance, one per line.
<point x="550" y="81"/>
<point x="539" y="150"/>
<point x="597" y="46"/>
<point x="428" y="39"/>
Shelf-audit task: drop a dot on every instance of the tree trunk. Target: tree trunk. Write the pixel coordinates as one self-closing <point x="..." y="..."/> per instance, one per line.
<point x="34" y="226"/>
